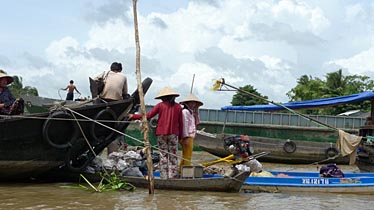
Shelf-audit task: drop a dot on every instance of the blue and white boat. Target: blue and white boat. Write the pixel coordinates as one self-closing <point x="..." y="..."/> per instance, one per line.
<point x="357" y="183"/>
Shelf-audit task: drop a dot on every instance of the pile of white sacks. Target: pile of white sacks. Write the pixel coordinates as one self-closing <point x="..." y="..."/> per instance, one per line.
<point x="128" y="163"/>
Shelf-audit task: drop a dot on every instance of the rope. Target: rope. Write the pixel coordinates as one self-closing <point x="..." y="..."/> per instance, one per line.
<point x="88" y="143"/>
<point x="133" y="138"/>
<point x="62" y="119"/>
<point x="222" y="82"/>
<point x="317" y="162"/>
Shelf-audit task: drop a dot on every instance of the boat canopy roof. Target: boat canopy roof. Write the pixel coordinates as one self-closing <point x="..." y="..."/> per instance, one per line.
<point x="309" y="104"/>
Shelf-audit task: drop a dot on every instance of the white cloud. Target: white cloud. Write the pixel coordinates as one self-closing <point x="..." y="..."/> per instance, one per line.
<point x="357" y="64"/>
<point x="265" y="43"/>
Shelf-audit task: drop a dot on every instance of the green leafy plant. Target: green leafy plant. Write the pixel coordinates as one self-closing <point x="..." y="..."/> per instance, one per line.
<point x="108" y="182"/>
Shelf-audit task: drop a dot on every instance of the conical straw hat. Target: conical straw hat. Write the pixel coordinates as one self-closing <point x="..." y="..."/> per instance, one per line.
<point x="192" y="97"/>
<point x="166" y="92"/>
<point x="9" y="78"/>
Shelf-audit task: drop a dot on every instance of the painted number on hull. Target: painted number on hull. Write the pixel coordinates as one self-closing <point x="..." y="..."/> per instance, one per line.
<point x="315" y="181"/>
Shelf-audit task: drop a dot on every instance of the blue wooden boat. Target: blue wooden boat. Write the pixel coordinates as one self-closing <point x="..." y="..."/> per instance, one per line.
<point x="357" y="183"/>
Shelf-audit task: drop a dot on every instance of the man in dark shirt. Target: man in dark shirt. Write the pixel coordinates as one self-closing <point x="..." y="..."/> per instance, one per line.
<point x="6" y="97"/>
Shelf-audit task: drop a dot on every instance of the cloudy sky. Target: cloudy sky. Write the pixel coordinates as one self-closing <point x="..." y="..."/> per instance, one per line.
<point x="266" y="43"/>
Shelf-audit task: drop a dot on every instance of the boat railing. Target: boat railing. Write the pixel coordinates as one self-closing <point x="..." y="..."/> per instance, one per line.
<point x="272" y="118"/>
<point x="284" y="119"/>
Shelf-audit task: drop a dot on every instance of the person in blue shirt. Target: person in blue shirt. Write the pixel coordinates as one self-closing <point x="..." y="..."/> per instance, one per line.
<point x="8" y="104"/>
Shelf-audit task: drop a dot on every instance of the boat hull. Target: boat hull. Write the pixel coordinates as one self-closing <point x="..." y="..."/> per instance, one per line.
<point x="213" y="183"/>
<point x="353" y="183"/>
<point x="25" y="151"/>
<point x="37" y="143"/>
<point x="304" y="151"/>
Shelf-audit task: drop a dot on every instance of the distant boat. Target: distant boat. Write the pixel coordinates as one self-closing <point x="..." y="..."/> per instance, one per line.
<point x="311" y="182"/>
<point x="281" y="150"/>
<point x="37" y="143"/>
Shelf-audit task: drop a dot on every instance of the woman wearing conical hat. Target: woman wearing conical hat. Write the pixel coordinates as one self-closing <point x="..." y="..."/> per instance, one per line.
<point x="190" y="113"/>
<point x="168" y="131"/>
<point x="6" y="97"/>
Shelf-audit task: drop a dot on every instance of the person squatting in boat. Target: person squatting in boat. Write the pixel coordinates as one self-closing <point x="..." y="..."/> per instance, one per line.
<point x="169" y="129"/>
<point x="8" y="104"/>
<point x="191" y="118"/>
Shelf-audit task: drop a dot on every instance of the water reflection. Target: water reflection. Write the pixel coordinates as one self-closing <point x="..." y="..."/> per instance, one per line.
<point x="53" y="196"/>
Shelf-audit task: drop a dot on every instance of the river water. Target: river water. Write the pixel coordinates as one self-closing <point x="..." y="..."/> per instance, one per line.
<point x="54" y="196"/>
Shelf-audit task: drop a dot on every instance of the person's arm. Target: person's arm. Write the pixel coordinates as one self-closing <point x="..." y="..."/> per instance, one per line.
<point x="196" y="116"/>
<point x="75" y="88"/>
<point x="149" y="115"/>
<point x="8" y="99"/>
<point x="185" y="123"/>
<point x="65" y="88"/>
<point x="181" y="125"/>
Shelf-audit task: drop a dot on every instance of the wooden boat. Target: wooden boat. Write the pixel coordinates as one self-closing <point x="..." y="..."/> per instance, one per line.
<point x="215" y="183"/>
<point x="281" y="150"/>
<point x="34" y="144"/>
<point x="310" y="182"/>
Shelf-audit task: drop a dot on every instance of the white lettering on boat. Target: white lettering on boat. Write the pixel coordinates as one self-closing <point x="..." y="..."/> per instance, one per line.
<point x="315" y="181"/>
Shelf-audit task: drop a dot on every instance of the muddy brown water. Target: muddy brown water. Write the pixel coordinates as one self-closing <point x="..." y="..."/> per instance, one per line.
<point x="53" y="196"/>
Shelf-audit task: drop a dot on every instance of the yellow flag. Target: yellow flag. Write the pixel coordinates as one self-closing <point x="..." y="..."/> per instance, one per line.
<point x="216" y="85"/>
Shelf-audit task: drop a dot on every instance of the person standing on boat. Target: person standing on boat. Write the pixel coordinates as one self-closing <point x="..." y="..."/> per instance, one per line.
<point x="191" y="118"/>
<point x="71" y="87"/>
<point x="169" y="129"/>
<point x="115" y="88"/>
<point x="6" y="97"/>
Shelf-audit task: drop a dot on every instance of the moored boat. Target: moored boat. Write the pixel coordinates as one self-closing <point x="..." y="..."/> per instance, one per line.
<point x="283" y="181"/>
<point x="281" y="150"/>
<point x="37" y="143"/>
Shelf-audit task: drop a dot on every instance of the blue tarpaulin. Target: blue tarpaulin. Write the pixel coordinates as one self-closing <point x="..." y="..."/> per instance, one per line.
<point x="307" y="104"/>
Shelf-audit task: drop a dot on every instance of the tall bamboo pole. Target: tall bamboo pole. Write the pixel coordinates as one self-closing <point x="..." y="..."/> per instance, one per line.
<point x="142" y="104"/>
<point x="193" y="80"/>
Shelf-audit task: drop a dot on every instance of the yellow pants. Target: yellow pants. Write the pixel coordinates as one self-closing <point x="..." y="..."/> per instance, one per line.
<point x="187" y="146"/>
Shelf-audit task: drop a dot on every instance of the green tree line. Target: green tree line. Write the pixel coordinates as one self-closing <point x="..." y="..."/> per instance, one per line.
<point x="334" y="84"/>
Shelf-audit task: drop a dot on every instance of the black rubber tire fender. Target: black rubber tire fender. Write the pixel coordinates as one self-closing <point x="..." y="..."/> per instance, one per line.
<point x="60" y="133"/>
<point x="153" y="123"/>
<point x="105" y="114"/>
<point x="331" y="152"/>
<point x="289" y="146"/>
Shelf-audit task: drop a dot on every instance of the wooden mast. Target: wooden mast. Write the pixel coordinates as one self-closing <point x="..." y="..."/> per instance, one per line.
<point x="142" y="104"/>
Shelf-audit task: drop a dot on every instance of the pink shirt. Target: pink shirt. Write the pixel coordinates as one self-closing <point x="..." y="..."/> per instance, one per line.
<point x="189" y="125"/>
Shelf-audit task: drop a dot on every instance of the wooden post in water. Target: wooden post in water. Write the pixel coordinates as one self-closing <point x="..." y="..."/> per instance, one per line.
<point x="141" y="97"/>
